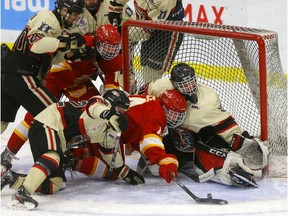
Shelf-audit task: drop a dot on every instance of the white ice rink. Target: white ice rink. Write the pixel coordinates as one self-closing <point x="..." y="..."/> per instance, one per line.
<point x="88" y="196"/>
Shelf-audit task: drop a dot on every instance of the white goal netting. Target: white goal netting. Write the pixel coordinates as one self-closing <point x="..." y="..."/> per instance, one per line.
<point x="241" y="64"/>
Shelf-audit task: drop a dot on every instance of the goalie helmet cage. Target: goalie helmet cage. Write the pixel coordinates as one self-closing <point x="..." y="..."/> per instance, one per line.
<point x="241" y="64"/>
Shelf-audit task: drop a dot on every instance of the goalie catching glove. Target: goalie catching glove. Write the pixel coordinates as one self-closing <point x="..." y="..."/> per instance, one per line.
<point x="235" y="172"/>
<point x="168" y="167"/>
<point x="130" y="176"/>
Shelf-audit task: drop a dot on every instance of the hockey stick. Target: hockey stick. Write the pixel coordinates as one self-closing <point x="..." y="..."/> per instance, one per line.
<point x="116" y="147"/>
<point x="208" y="200"/>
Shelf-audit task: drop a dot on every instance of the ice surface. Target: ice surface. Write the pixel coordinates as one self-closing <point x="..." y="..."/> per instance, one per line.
<point x="90" y="196"/>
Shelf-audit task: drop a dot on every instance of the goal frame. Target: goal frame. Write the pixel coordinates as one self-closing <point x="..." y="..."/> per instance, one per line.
<point x="207" y="32"/>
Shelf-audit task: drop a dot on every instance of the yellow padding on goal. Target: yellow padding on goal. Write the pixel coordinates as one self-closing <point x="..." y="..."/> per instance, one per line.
<point x="231" y="74"/>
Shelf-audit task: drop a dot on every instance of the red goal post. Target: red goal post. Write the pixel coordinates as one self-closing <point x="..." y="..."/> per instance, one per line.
<point x="241" y="64"/>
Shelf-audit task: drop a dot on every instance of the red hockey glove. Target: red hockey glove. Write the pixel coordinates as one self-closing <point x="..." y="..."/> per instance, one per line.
<point x="168" y="167"/>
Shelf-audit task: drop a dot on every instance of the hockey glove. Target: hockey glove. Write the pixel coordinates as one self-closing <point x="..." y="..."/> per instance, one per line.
<point x="130" y="176"/>
<point x="116" y="120"/>
<point x="73" y="41"/>
<point x="83" y="54"/>
<point x="115" y="13"/>
<point x="168" y="166"/>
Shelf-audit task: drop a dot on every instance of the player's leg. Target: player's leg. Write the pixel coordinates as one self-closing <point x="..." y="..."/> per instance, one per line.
<point x="46" y="149"/>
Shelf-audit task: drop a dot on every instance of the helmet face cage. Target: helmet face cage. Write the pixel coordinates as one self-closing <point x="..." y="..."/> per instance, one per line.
<point x="173" y="118"/>
<point x="108" y="51"/>
<point x="187" y="86"/>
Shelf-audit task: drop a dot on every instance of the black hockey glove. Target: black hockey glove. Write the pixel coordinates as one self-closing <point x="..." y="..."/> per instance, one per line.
<point x="116" y="120"/>
<point x="130" y="176"/>
<point x="83" y="54"/>
<point x="73" y="41"/>
<point x="115" y="13"/>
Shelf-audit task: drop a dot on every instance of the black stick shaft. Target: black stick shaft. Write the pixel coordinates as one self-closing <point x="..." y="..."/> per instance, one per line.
<point x="208" y="200"/>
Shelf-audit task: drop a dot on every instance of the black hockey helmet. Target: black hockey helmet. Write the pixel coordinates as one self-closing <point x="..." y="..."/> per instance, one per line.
<point x="72" y="5"/>
<point x="92" y="5"/>
<point x="117" y="97"/>
<point x="184" y="79"/>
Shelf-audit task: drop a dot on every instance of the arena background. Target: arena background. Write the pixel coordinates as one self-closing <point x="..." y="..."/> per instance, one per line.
<point x="265" y="14"/>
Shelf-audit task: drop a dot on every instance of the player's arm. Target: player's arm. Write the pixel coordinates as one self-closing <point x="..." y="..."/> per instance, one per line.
<point x="44" y="36"/>
<point x="161" y="10"/>
<point x="153" y="149"/>
<point x="98" y="108"/>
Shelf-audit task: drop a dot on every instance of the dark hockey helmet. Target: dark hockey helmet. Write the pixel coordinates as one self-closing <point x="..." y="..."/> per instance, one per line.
<point x="92" y="5"/>
<point x="184" y="79"/>
<point x="72" y="5"/>
<point x="117" y="98"/>
<point x="174" y="105"/>
<point x="76" y="6"/>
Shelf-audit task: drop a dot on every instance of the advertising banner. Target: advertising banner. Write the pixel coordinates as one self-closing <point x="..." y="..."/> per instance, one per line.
<point x="16" y="13"/>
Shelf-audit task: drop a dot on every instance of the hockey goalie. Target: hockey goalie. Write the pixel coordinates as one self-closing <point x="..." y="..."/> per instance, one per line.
<point x="209" y="142"/>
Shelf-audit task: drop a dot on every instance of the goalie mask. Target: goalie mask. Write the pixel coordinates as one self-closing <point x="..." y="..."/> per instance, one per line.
<point x="174" y="105"/>
<point x="108" y="41"/>
<point x="70" y="11"/>
<point x="184" y="79"/>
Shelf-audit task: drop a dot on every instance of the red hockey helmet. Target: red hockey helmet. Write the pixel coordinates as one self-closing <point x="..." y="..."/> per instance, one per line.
<point x="108" y="41"/>
<point x="174" y="105"/>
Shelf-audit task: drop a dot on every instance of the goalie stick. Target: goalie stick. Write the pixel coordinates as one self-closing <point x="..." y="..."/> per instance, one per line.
<point x="208" y="200"/>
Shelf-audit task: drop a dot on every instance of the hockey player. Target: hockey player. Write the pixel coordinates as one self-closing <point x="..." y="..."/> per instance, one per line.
<point x="31" y="56"/>
<point x="223" y="152"/>
<point x="99" y="10"/>
<point x="147" y="118"/>
<point x="100" y="120"/>
<point x="73" y="79"/>
<point x="156" y="53"/>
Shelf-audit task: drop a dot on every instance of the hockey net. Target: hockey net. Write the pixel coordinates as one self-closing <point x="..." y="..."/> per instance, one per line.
<point x="241" y="64"/>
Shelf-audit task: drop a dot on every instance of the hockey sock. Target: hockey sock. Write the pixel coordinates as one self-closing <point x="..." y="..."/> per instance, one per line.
<point x="92" y="166"/>
<point x="20" y="134"/>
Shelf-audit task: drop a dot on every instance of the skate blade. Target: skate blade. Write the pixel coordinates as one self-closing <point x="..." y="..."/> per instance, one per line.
<point x="16" y="205"/>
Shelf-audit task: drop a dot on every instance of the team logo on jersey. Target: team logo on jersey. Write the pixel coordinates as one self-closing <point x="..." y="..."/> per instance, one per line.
<point x="83" y="25"/>
<point x="44" y="27"/>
